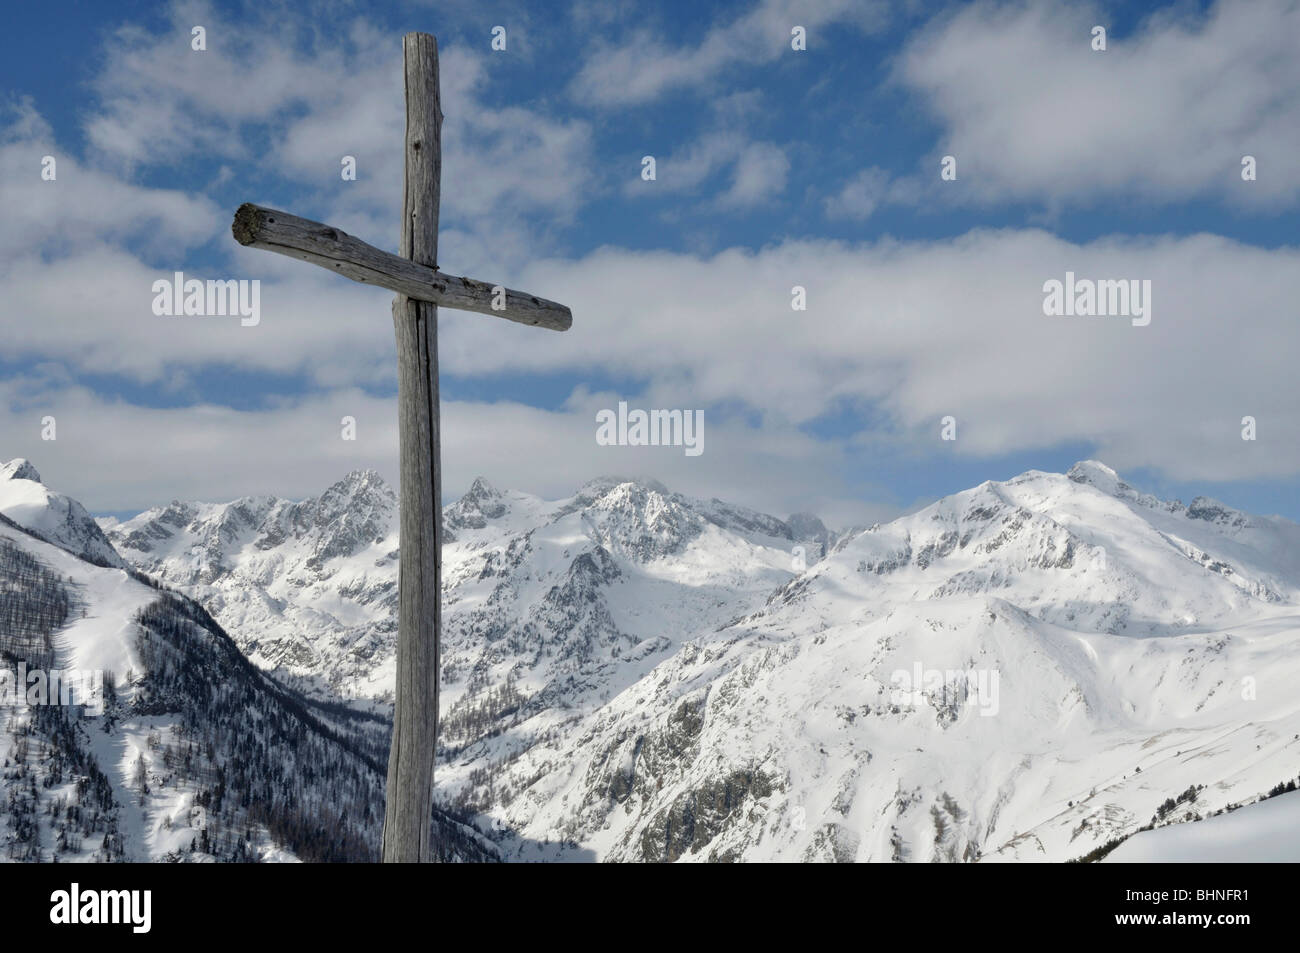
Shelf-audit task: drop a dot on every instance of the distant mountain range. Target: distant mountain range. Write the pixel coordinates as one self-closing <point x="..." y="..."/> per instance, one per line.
<point x="311" y="587"/>
<point x="1027" y="670"/>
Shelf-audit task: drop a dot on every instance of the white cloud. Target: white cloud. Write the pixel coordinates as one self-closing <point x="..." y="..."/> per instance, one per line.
<point x="919" y="330"/>
<point x="760" y="174"/>
<point x="643" y="66"/>
<point x="161" y="101"/>
<point x="860" y="196"/>
<point x="83" y="207"/>
<point x="266" y="77"/>
<point x="908" y="332"/>
<point x="1033" y="113"/>
<point x="92" y="310"/>
<point x="80" y="254"/>
<point x="757" y="170"/>
<point x="925" y="329"/>
<point x="496" y="162"/>
<point x="145" y="457"/>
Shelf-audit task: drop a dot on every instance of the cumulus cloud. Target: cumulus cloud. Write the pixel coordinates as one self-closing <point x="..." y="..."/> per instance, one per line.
<point x="1033" y="114"/>
<point x="81" y="253"/>
<point x="268" y="78"/>
<point x="914" y="331"/>
<point x="83" y="207"/>
<point x="920" y="330"/>
<point x="160" y="101"/>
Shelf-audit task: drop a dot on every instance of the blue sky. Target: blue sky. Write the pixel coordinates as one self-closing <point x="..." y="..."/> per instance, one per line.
<point x="775" y="167"/>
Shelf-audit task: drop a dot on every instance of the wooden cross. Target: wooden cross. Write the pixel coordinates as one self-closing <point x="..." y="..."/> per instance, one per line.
<point x="420" y="288"/>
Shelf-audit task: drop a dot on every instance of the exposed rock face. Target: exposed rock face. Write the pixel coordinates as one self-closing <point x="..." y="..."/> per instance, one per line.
<point x="310" y="587"/>
<point x="632" y="674"/>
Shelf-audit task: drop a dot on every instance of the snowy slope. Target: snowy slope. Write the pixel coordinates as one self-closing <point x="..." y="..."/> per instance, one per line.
<point x="1122" y="632"/>
<point x="54" y="517"/>
<point x="633" y="674"/>
<point x="1266" y="832"/>
<point x="99" y="636"/>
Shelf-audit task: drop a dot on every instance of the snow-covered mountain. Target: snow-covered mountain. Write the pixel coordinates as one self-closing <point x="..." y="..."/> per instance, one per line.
<point x="53" y="517"/>
<point x="308" y="587"/>
<point x="311" y="587"/>
<point x="637" y="675"/>
<point x="168" y="743"/>
<point x="1265" y="832"/>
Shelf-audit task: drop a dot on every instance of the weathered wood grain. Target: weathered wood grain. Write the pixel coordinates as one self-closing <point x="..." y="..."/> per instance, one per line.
<point x="409" y="799"/>
<point x="258" y="227"/>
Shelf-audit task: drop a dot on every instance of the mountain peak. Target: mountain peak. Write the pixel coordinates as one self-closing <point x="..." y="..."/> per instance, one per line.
<point x="366" y="477"/>
<point x="481" y="502"/>
<point x="359" y="485"/>
<point x="481" y="489"/>
<point x="19" y="469"/>
<point x="603" y="484"/>
<point x="1095" y="473"/>
<point x="52" y="517"/>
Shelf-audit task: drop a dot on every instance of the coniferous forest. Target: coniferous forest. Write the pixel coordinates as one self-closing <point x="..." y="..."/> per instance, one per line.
<point x="258" y="764"/>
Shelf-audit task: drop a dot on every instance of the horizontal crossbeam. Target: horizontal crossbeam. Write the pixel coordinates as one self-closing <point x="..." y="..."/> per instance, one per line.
<point x="332" y="248"/>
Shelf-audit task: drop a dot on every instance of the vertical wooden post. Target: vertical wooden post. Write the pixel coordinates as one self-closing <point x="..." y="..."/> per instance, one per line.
<point x="409" y="800"/>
